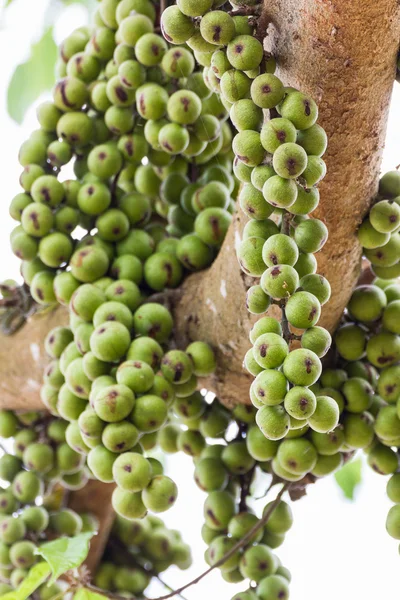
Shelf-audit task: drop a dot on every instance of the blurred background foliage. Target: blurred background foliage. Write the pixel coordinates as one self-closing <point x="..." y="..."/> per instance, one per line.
<point x="36" y="74"/>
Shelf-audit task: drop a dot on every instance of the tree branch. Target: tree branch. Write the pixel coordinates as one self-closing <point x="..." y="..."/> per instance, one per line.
<point x="273" y="482"/>
<point x="110" y="595"/>
<point x="168" y="587"/>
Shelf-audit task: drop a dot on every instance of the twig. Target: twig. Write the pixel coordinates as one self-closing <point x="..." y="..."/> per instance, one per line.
<point x="273" y="482"/>
<point x="168" y="587"/>
<point x="114" y="184"/>
<point x="273" y="113"/>
<point x="118" y="546"/>
<point x="245" y="483"/>
<point x="168" y="297"/>
<point x="285" y="226"/>
<point x="15" y="307"/>
<point x="260" y="31"/>
<point x="246" y="11"/>
<point x="163" y="6"/>
<point x="240" y="544"/>
<point x="62" y="594"/>
<point x="193" y="171"/>
<point x="111" y="595"/>
<point x="287" y="334"/>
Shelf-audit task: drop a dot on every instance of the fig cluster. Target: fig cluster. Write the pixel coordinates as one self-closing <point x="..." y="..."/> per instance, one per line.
<point x="368" y="344"/>
<point x="151" y="201"/>
<point x="114" y="380"/>
<point x="278" y="149"/>
<point x="39" y="459"/>
<point x="164" y="120"/>
<point x="138" y="550"/>
<point x="149" y="145"/>
<point x="229" y="452"/>
<point x="379" y="232"/>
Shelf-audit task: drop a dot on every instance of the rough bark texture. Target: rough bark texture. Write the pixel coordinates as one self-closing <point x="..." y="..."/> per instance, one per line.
<point x="22" y="360"/>
<point x="95" y="498"/>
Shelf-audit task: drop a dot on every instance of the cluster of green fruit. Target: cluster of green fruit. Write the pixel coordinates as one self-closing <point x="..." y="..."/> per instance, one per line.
<point x="41" y="455"/>
<point x="113" y="379"/>
<point x="145" y="125"/>
<point x="40" y="458"/>
<point x="200" y="419"/>
<point x="369" y="346"/>
<point x="137" y="551"/>
<point x="124" y="106"/>
<point x="379" y="232"/>
<point x="226" y="472"/>
<point x="228" y="520"/>
<point x="279" y="163"/>
<point x="255" y="561"/>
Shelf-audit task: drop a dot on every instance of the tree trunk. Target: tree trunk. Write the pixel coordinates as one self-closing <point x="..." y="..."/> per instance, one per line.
<point x="344" y="54"/>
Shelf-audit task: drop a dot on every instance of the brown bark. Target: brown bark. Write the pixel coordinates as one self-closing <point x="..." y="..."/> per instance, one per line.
<point x="95" y="498"/>
<point x="344" y="54"/>
<point x="22" y="360"/>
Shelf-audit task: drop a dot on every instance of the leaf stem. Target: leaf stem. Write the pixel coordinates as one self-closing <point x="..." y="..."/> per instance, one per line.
<point x="108" y="594"/>
<point x="168" y="587"/>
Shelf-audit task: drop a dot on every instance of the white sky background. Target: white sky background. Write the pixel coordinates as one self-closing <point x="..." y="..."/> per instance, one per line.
<point x="336" y="549"/>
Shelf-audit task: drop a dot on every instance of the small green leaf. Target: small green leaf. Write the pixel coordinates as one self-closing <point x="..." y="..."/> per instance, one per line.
<point x="36" y="576"/>
<point x="33" y="77"/>
<point x="65" y="553"/>
<point x="349" y="477"/>
<point x="9" y="2"/>
<point x="85" y="594"/>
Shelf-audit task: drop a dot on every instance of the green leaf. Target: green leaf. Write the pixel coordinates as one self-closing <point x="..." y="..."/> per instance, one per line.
<point x="36" y="576"/>
<point x="349" y="477"/>
<point x="85" y="594"/>
<point x="33" y="77"/>
<point x="65" y="553"/>
<point x="9" y="2"/>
